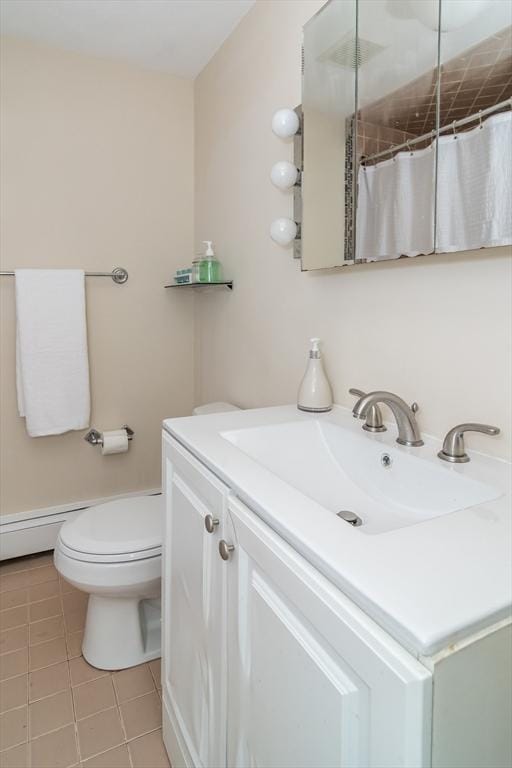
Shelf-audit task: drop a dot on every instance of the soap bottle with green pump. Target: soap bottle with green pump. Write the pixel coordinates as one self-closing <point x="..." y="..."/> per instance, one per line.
<point x="210" y="269"/>
<point x="315" y="393"/>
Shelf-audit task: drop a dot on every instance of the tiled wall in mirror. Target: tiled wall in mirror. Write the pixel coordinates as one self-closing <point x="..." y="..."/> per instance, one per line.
<point x="474" y="199"/>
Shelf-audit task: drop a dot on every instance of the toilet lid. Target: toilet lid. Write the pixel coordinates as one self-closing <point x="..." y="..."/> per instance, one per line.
<point x="121" y="527"/>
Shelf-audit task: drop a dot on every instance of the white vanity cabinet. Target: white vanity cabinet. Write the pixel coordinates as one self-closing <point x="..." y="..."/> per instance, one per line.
<point x="311" y="680"/>
<point x="193" y="612"/>
<point x="266" y="663"/>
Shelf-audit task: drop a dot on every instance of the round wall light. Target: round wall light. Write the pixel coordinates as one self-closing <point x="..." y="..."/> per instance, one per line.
<point x="284" y="175"/>
<point x="283" y="231"/>
<point x="285" y="123"/>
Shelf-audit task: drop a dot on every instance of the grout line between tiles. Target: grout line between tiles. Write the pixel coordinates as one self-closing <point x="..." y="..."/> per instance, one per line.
<point x="47" y="640"/>
<point x="31" y="741"/>
<point x="98" y="754"/>
<point x="19" y="706"/>
<point x="28" y="752"/>
<point x="140" y="735"/>
<point x="104" y="709"/>
<point x="13" y="746"/>
<point x="27" y="602"/>
<point x="70" y="687"/>
<point x="123" y="728"/>
<point x="114" y="746"/>
<point x="75" y="721"/>
<point x="127" y="747"/>
<point x="126" y="742"/>
<point x="41" y="698"/>
<point x="46" y="733"/>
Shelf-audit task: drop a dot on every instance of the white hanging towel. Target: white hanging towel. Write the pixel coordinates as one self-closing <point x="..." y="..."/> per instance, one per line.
<point x="474" y="187"/>
<point x="52" y="367"/>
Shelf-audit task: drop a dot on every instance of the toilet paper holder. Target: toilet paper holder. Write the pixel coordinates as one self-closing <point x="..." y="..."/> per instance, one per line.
<point x="93" y="437"/>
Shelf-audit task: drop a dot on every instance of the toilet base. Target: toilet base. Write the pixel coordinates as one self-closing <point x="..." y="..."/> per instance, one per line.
<point x="121" y="632"/>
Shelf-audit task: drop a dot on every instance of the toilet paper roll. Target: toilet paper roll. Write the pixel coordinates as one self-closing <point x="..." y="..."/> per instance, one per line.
<point x="114" y="441"/>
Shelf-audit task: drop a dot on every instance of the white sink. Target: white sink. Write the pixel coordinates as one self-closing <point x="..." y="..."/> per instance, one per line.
<point x="351" y="471"/>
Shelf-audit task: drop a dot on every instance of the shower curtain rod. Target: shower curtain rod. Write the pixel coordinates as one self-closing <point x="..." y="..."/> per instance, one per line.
<point x="450" y="127"/>
<point x="119" y="274"/>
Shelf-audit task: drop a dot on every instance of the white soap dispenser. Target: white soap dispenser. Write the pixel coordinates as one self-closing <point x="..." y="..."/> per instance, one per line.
<point x="315" y="393"/>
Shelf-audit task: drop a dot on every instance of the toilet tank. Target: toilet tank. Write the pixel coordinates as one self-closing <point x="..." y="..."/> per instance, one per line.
<point x="203" y="410"/>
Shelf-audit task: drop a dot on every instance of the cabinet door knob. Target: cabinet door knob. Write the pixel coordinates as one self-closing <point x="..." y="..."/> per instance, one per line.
<point x="210" y="523"/>
<point x="225" y="549"/>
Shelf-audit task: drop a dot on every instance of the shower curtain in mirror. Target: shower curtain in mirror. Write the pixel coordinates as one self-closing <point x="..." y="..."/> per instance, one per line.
<point x="396" y="207"/>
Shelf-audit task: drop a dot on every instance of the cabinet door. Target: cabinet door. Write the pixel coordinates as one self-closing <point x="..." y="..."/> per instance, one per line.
<point x="312" y="681"/>
<point x="193" y="615"/>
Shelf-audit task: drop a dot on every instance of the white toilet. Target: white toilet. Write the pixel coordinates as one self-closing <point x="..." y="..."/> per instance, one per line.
<point x="113" y="551"/>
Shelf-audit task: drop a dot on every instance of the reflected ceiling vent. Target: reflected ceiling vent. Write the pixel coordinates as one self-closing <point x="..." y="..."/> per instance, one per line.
<point x="349" y="53"/>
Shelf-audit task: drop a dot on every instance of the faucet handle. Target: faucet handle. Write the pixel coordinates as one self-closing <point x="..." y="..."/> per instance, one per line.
<point x="453" y="446"/>
<point x="374" y="421"/>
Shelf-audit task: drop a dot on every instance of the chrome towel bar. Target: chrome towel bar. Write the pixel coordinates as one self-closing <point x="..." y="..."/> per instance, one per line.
<point x="119" y="275"/>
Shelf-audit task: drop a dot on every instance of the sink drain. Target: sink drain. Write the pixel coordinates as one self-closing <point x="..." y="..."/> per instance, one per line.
<point x="386" y="460"/>
<point x="350" y="517"/>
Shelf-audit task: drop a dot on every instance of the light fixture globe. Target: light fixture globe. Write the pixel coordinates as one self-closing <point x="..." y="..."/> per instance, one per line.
<point x="283" y="231"/>
<point x="285" y="123"/>
<point x="284" y="175"/>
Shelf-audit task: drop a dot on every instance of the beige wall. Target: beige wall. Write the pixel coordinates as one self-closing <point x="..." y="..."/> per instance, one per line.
<point x="97" y="171"/>
<point x="436" y="329"/>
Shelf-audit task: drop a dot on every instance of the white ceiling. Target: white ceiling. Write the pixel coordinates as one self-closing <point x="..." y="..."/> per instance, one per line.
<point x="176" y="36"/>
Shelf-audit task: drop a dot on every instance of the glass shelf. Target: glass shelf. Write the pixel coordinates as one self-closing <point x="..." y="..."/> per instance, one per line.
<point x="227" y="283"/>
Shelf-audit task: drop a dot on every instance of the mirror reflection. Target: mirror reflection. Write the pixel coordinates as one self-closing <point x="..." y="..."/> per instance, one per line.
<point x="474" y="188"/>
<point x="329" y="102"/>
<point x="423" y="163"/>
<point x="396" y="164"/>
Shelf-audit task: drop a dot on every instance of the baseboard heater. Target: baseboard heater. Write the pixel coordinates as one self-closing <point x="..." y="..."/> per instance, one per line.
<point x="24" y="533"/>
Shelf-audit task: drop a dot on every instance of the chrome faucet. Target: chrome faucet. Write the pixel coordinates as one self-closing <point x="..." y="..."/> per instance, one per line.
<point x="374" y="422"/>
<point x="408" y="432"/>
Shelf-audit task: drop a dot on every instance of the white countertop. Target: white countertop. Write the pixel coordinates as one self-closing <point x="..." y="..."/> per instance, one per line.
<point x="429" y="584"/>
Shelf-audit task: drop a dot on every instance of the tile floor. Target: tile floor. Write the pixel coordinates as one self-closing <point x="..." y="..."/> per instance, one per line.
<point x="56" y="711"/>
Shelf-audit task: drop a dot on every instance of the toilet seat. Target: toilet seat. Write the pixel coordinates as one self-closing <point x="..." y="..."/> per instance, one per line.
<point x="88" y="557"/>
<point x="118" y="531"/>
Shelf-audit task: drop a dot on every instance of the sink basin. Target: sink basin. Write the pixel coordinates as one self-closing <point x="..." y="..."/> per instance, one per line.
<point x="378" y="487"/>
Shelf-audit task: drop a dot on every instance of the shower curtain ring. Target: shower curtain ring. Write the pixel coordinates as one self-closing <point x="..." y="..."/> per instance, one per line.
<point x="454" y="125"/>
<point x="480" y="118"/>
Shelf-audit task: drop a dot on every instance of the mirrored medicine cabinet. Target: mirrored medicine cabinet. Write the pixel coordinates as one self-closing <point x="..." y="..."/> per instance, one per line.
<point x="405" y="144"/>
